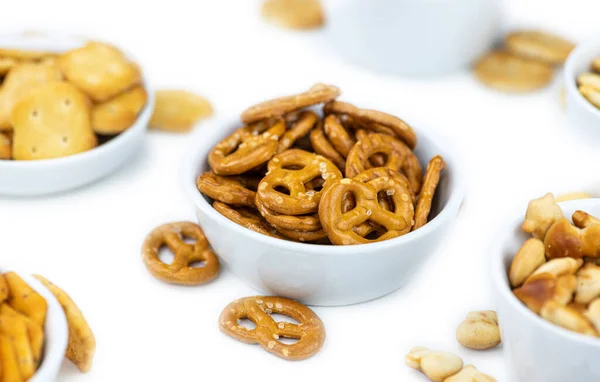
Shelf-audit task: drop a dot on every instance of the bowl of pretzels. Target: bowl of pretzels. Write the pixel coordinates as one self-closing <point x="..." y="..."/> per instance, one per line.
<point x="71" y="111"/>
<point x="320" y="200"/>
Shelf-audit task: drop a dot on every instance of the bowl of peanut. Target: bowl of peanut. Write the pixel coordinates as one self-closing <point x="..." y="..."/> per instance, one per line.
<point x="322" y="201"/>
<point x="547" y="286"/>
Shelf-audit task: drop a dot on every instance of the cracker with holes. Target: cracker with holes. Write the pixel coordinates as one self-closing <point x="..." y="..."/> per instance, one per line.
<point x="101" y="71"/>
<point x="118" y="114"/>
<point x="52" y="121"/>
<point x="19" y="82"/>
<point x="82" y="343"/>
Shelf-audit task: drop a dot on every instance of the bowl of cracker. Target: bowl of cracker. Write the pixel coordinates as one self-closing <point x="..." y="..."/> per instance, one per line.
<point x="322" y="201"/>
<point x="33" y="329"/>
<point x="546" y="280"/>
<point x="71" y="112"/>
<point x="582" y="84"/>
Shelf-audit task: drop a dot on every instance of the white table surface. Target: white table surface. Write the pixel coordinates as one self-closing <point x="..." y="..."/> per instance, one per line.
<point x="88" y="240"/>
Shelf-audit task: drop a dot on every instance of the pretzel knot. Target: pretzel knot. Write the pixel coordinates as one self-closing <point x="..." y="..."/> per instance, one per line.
<point x="342" y="226"/>
<point x="180" y="271"/>
<point x="309" y="331"/>
<point x="247" y="148"/>
<point x="295" y="171"/>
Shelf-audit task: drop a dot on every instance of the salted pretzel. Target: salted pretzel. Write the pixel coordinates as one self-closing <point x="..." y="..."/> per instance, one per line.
<point x="377" y="160"/>
<point x="225" y="189"/>
<point x="323" y="147"/>
<point x="372" y="119"/>
<point x="246" y="217"/>
<point x="339" y="225"/>
<point x="564" y="239"/>
<point x="430" y="183"/>
<point x="305" y="223"/>
<point x="319" y="93"/>
<point x="337" y="134"/>
<point x="399" y="158"/>
<point x="301" y="126"/>
<point x="180" y="270"/>
<point x="247" y="148"/>
<point x="292" y="170"/>
<point x="310" y="331"/>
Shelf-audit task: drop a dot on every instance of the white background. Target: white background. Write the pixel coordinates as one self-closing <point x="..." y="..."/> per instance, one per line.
<point x="88" y="240"/>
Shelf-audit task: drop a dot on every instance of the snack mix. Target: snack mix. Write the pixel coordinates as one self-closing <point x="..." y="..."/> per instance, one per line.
<point x="526" y="62"/>
<point x="589" y="83"/>
<point x="555" y="273"/>
<point x="54" y="105"/>
<point x="349" y="176"/>
<point x="22" y="329"/>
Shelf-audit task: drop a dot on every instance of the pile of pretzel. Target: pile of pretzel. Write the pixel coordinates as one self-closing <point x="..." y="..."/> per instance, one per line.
<point x="349" y="177"/>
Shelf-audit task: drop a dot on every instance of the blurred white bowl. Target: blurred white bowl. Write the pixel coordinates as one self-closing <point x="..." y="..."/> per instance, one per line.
<point x="320" y="274"/>
<point x="536" y="350"/>
<point x="415" y="37"/>
<point x="56" y="333"/>
<point x="27" y="178"/>
<point x="582" y="114"/>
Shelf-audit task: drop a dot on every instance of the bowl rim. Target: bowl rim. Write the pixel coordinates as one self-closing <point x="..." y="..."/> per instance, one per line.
<point x="54" y="350"/>
<point x="570" y="74"/>
<point x="501" y="284"/>
<point x="205" y="140"/>
<point x="49" y="37"/>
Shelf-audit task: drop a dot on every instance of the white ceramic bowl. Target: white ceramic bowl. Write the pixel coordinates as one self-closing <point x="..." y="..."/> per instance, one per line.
<point x="536" y="350"/>
<point x="27" y="178"/>
<point x="318" y="274"/>
<point x="581" y="112"/>
<point x="415" y="37"/>
<point x="56" y="333"/>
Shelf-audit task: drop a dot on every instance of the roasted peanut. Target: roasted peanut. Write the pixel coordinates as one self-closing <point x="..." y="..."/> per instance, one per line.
<point x="529" y="258"/>
<point x="559" y="267"/>
<point x="479" y="331"/>
<point x="436" y="365"/>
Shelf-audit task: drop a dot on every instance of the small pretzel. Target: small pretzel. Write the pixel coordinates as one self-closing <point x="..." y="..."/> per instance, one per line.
<point x="247" y="148"/>
<point x="226" y="190"/>
<point x="339" y="137"/>
<point x="376" y="160"/>
<point x="370" y="119"/>
<point x="309" y="331"/>
<point x="247" y="218"/>
<point x="340" y="225"/>
<point x="292" y="169"/>
<point x="289" y="222"/>
<point x="323" y="147"/>
<point x="399" y="158"/>
<point x="430" y="183"/>
<point x="301" y="127"/>
<point x="180" y="271"/>
<point x="278" y="107"/>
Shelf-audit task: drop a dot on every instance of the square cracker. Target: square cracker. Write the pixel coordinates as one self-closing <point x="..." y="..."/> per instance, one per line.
<point x="52" y="121"/>
<point x="99" y="70"/>
<point x="21" y="80"/>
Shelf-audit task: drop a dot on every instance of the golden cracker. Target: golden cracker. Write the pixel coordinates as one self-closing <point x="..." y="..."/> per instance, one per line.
<point x="118" y="114"/>
<point x="179" y="110"/>
<point x="21" y="54"/>
<point x="25" y="300"/>
<point x="19" y="82"/>
<point x="16" y="330"/>
<point x="589" y="79"/>
<point x="506" y="72"/>
<point x="294" y="14"/>
<point x="540" y="46"/>
<point x="6" y="64"/>
<point x="5" y="153"/>
<point x="34" y="331"/>
<point x="82" y="343"/>
<point x="99" y="70"/>
<point x="591" y="93"/>
<point x="52" y="121"/>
